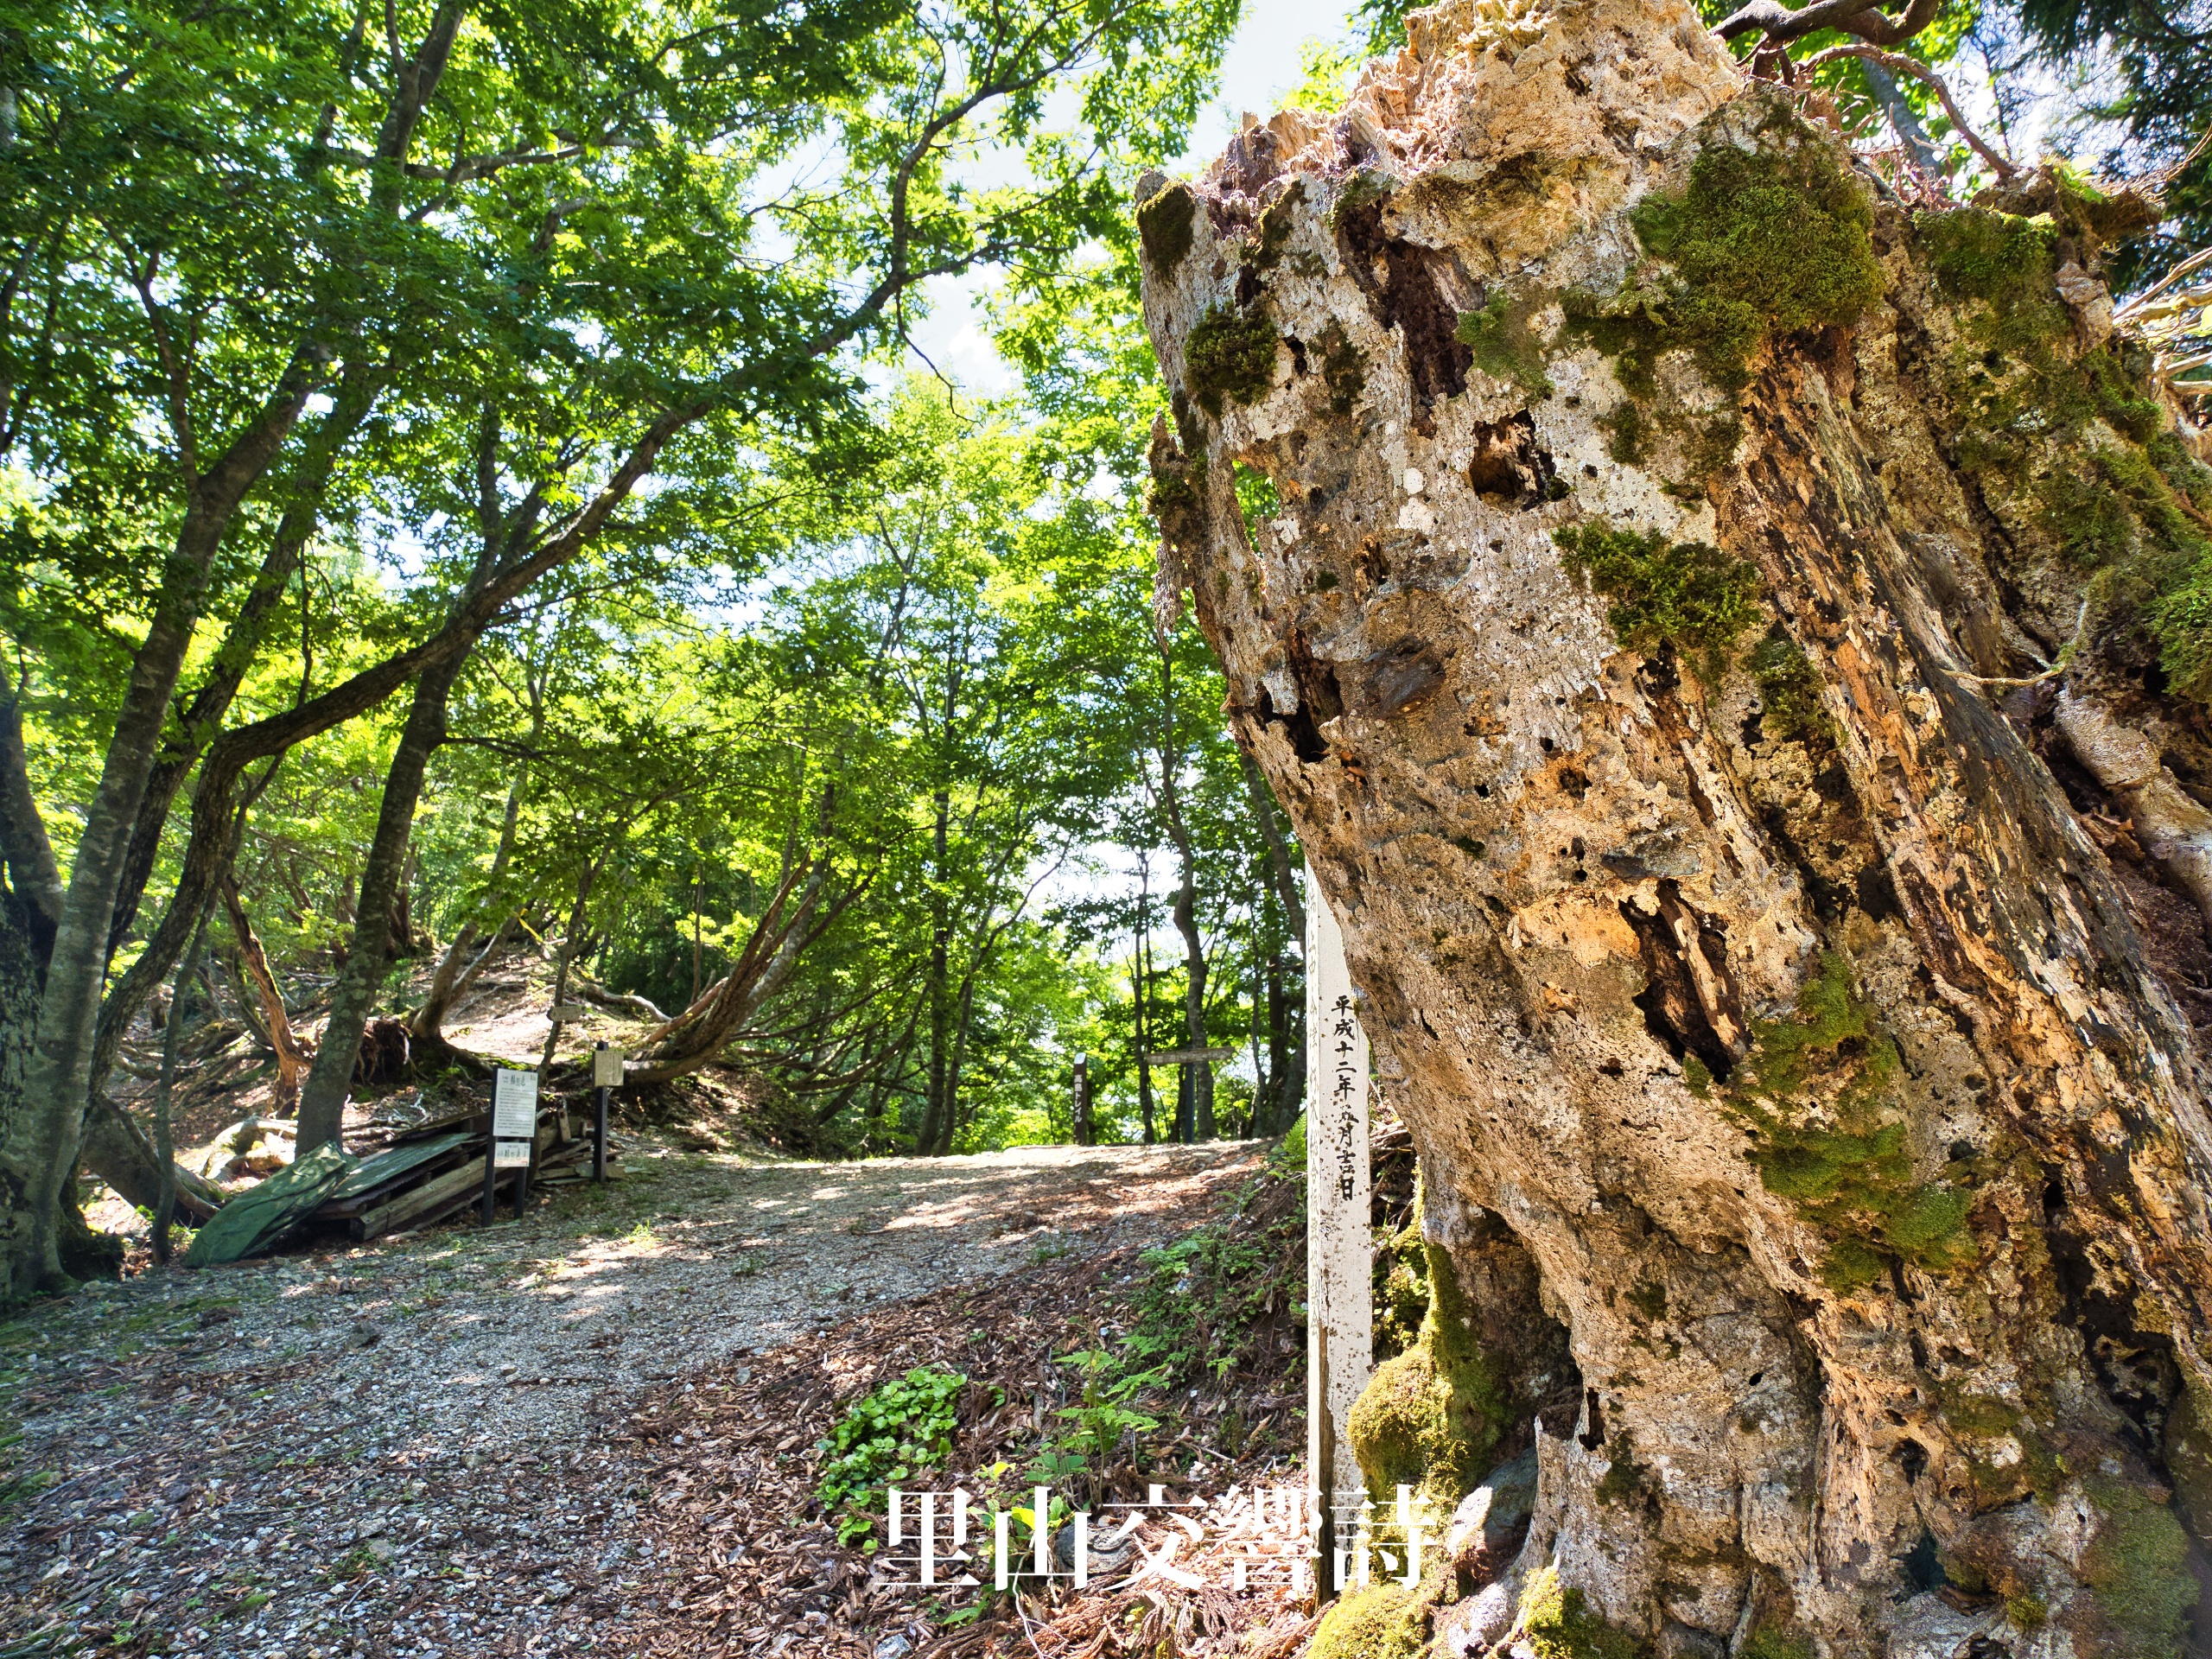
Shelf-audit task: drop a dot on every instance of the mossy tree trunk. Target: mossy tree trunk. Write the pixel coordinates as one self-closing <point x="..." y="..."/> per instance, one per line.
<point x="1730" y="649"/>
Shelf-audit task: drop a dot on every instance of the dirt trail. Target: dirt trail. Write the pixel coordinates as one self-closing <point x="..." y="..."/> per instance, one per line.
<point x="346" y="1451"/>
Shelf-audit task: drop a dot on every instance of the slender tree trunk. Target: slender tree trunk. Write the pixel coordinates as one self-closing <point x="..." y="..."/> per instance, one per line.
<point x="165" y="1094"/>
<point x="1286" y="1083"/>
<point x="1284" y="880"/>
<point x="937" y="1109"/>
<point x="955" y="1119"/>
<point x="353" y="999"/>
<point x="292" y="1058"/>
<point x="1743" y="907"/>
<point x="1142" y="990"/>
<point x="573" y="943"/>
<point x="1198" y="1084"/>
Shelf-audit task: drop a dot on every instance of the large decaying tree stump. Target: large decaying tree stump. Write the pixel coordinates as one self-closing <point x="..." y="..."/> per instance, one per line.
<point x="1732" y="645"/>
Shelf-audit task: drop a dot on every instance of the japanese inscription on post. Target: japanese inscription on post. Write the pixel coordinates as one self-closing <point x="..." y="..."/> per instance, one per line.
<point x="1340" y="1346"/>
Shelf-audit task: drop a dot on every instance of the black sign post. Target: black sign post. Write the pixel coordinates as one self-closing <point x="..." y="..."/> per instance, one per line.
<point x="1082" y="1113"/>
<point x="606" y="1077"/>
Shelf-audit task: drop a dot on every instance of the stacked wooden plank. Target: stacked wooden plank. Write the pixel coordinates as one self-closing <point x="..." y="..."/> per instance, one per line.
<point x="437" y="1169"/>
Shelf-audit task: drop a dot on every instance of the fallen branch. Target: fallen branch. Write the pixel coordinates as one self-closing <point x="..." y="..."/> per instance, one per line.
<point x="586" y="986"/>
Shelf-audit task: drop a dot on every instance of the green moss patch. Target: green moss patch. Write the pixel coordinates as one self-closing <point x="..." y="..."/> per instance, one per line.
<point x="1686" y="594"/>
<point x="1229" y="357"/>
<point x="1388" y="1622"/>
<point x="1844" y="1163"/>
<point x="2007" y="263"/>
<point x="1557" y="1621"/>
<point x="1505" y="347"/>
<point x="1164" y="227"/>
<point x="1778" y="239"/>
<point x="2138" y="1564"/>
<point x="1430" y="1418"/>
<point x="1774" y="240"/>
<point x="1789" y="690"/>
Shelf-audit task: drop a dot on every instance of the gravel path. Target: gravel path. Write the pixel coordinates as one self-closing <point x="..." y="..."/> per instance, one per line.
<point x="401" y="1448"/>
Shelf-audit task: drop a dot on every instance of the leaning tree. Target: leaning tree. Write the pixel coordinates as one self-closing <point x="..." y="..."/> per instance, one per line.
<point x="1734" y="644"/>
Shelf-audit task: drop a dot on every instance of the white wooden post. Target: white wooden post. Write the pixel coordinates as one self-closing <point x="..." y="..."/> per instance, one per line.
<point x="1340" y="1230"/>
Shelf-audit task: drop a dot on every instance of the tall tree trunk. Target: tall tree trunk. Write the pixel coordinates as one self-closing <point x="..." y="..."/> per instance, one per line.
<point x="1194" y="1091"/>
<point x="938" y="1107"/>
<point x="1286" y="1009"/>
<point x="323" y="1102"/>
<point x="1284" y="880"/>
<point x="303" y="492"/>
<point x="19" y="987"/>
<point x="37" y="1157"/>
<point x="1754" y="922"/>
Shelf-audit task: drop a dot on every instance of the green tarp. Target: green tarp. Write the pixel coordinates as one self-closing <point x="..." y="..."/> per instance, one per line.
<point x="379" y="1167"/>
<point x="258" y="1216"/>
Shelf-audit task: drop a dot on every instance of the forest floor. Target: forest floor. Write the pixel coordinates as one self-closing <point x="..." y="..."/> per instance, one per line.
<point x="593" y="1428"/>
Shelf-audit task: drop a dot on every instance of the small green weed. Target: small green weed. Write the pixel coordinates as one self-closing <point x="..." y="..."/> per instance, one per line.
<point x="906" y="1425"/>
<point x="1105" y="1414"/>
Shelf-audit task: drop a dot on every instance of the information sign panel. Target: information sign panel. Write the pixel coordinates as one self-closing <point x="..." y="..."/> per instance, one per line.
<point x="511" y="1155"/>
<point x="514" y="1105"/>
<point x="607" y="1068"/>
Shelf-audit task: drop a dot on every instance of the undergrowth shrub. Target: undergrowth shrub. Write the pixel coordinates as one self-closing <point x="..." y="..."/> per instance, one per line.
<point x="1215" y="1303"/>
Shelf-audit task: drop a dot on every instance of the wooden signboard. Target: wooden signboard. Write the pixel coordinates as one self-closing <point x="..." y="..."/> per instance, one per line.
<point x="1339" y="1297"/>
<point x="607" y="1068"/>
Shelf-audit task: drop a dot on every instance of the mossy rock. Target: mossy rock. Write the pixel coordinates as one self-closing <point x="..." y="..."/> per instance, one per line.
<point x="1229" y="357"/>
<point x="1343" y="371"/>
<point x="1505" y="347"/>
<point x="1400" y="1288"/>
<point x="2189" y="1460"/>
<point x="1390" y="1621"/>
<point x="1557" y="1621"/>
<point x="1165" y="227"/>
